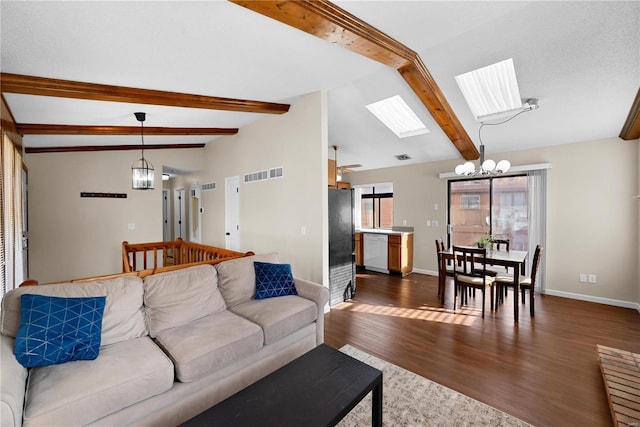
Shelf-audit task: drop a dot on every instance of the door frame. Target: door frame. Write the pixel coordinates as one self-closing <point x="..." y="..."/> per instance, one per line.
<point x="232" y="213"/>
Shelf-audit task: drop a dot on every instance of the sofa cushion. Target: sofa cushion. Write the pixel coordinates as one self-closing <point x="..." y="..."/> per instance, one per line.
<point x="77" y="393"/>
<point x="178" y="297"/>
<point x="237" y="277"/>
<point x="278" y="317"/>
<point x="57" y="330"/>
<point x="273" y="280"/>
<point x="210" y="343"/>
<point x="123" y="317"/>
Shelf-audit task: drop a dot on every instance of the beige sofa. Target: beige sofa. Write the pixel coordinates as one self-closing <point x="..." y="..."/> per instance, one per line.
<point x="173" y="345"/>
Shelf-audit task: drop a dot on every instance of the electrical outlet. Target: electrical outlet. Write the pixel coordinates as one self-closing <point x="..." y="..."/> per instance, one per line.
<point x="583" y="278"/>
<point x="131" y="226"/>
<point x="592" y="278"/>
<point x="434" y="223"/>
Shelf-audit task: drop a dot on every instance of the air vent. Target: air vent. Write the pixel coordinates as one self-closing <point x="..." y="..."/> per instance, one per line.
<point x="276" y="173"/>
<point x="256" y="176"/>
<point x="209" y="186"/>
<point x="403" y="157"/>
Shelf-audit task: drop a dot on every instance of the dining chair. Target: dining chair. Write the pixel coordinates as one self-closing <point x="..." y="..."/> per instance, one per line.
<point x="500" y="244"/>
<point x="525" y="282"/>
<point x="470" y="265"/>
<point x="440" y="248"/>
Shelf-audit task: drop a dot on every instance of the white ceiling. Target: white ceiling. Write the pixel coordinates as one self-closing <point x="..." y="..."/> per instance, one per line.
<point x="581" y="59"/>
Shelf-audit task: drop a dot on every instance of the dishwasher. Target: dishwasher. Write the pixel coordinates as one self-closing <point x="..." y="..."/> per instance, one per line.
<point x="375" y="252"/>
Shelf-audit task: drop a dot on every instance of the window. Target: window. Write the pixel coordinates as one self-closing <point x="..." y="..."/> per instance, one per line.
<point x="469" y="201"/>
<point x="489" y="206"/>
<point x="374" y="205"/>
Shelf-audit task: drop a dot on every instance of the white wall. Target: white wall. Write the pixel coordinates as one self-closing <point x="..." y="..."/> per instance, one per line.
<point x="273" y="213"/>
<point x="592" y="224"/>
<point x="73" y="237"/>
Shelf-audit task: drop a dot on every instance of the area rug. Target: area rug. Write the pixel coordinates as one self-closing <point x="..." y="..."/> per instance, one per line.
<point x="411" y="400"/>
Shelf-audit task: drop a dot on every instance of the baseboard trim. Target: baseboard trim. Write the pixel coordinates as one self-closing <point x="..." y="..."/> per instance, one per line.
<point x="600" y="300"/>
<point x="427" y="272"/>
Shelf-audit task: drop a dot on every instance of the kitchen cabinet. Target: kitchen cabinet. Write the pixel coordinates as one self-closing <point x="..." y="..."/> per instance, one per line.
<point x="359" y="250"/>
<point x="400" y="253"/>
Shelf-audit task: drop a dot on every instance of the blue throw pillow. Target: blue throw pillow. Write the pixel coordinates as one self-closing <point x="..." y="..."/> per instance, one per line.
<point x="56" y="330"/>
<point x="273" y="280"/>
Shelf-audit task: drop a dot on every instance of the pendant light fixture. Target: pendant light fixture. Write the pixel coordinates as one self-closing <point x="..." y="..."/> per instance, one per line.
<point x="489" y="167"/>
<point x="142" y="170"/>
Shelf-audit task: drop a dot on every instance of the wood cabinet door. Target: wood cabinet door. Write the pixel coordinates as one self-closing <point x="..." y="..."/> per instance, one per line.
<point x="394" y="255"/>
<point x="359" y="250"/>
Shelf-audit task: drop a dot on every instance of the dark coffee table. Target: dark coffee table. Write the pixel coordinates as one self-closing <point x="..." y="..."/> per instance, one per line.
<point x="317" y="389"/>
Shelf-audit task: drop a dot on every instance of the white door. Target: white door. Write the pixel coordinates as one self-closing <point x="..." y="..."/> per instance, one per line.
<point x="180" y="215"/>
<point x="232" y="213"/>
<point x="166" y="216"/>
<point x="195" y="207"/>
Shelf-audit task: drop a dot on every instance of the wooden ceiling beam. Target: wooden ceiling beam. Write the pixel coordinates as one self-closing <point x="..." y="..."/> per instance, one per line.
<point x="631" y="128"/>
<point x="42" y="86"/>
<point x="82" y="148"/>
<point x="329" y="22"/>
<point x="46" y="129"/>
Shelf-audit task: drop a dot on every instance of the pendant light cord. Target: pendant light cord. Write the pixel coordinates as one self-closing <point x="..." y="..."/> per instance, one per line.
<point x="482" y="124"/>
<point x="142" y="137"/>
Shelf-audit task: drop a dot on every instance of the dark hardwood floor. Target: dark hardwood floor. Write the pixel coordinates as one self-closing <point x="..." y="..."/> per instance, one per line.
<point x="543" y="370"/>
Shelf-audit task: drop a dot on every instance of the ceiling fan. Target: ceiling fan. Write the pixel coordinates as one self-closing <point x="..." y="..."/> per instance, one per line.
<point x="344" y="168"/>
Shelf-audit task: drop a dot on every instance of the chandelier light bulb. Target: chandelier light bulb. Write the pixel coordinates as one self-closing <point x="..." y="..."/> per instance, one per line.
<point x="469" y="168"/>
<point x="503" y="166"/>
<point x="488" y="165"/>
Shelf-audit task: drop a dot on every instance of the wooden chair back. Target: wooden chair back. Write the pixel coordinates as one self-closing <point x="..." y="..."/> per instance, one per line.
<point x="500" y="244"/>
<point x="535" y="265"/>
<point x="470" y="261"/>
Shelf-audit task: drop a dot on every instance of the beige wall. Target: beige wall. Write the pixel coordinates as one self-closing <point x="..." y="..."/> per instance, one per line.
<point x="72" y="237"/>
<point x="273" y="213"/>
<point x="592" y="223"/>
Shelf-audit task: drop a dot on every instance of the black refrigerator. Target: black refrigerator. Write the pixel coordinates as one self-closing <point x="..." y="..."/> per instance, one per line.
<point x="342" y="256"/>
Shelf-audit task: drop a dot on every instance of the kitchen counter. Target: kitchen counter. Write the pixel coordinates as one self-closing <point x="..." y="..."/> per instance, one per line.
<point x="385" y="250"/>
<point x="396" y="231"/>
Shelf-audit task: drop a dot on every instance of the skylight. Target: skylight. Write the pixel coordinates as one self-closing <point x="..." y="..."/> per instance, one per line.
<point x="491" y="92"/>
<point x="397" y="116"/>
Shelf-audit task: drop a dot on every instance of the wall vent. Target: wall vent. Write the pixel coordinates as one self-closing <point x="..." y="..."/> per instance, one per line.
<point x="276" y="172"/>
<point x="209" y="186"/>
<point x="403" y="157"/>
<point x="256" y="176"/>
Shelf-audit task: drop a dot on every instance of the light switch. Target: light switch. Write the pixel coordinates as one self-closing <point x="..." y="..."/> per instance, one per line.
<point x="428" y="223"/>
<point x="435" y="206"/>
<point x="132" y="226"/>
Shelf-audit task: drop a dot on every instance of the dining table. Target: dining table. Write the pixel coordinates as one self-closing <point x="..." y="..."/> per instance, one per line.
<point x="514" y="259"/>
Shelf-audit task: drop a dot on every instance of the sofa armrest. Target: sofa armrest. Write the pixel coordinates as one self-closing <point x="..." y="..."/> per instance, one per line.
<point x="13" y="384"/>
<point x="318" y="294"/>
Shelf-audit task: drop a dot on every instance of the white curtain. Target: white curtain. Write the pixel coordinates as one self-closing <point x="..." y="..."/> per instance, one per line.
<point x="538" y="223"/>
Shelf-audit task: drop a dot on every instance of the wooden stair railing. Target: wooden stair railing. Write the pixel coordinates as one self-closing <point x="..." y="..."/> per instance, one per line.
<point x="174" y="254"/>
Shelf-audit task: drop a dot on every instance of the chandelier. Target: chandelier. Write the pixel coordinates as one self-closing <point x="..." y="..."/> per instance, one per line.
<point x="142" y="170"/>
<point x="489" y="167"/>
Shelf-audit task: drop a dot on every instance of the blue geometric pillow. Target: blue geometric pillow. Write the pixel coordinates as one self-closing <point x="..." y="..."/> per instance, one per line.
<point x="273" y="280"/>
<point x="56" y="330"/>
